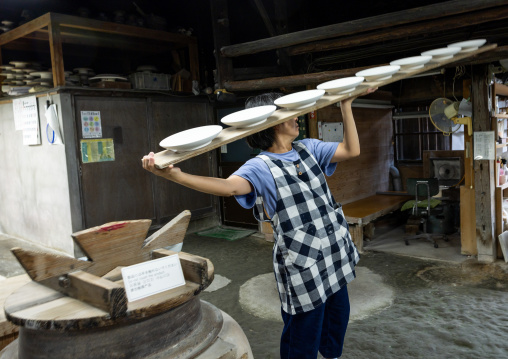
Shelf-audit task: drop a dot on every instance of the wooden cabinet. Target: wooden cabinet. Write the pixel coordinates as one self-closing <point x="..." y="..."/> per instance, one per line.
<point x="85" y="34"/>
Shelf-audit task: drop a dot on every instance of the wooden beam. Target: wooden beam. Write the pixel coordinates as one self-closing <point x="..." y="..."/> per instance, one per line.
<point x="230" y="134"/>
<point x="41" y="265"/>
<point x="453" y="7"/>
<point x="172" y="233"/>
<point x="483" y="170"/>
<point x="55" y="48"/>
<point x="399" y="32"/>
<point x="82" y="23"/>
<point x="265" y="17"/>
<point x="221" y="37"/>
<point x="25" y="29"/>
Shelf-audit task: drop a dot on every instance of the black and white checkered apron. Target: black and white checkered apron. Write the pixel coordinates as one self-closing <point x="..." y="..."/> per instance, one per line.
<point x="313" y="254"/>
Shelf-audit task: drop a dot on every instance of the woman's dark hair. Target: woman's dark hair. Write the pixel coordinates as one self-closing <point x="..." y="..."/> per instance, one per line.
<point x="263" y="139"/>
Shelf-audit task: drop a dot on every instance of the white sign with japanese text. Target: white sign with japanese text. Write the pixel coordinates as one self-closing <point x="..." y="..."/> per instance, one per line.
<point x="152" y="277"/>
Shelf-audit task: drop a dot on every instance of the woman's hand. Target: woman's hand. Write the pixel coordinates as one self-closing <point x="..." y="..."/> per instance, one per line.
<point x="348" y="101"/>
<point x="169" y="172"/>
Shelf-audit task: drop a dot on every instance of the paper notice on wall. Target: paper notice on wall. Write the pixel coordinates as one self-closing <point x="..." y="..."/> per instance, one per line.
<point x="26" y="118"/>
<point x="91" y="124"/>
<point x="484" y="145"/>
<point x="97" y="150"/>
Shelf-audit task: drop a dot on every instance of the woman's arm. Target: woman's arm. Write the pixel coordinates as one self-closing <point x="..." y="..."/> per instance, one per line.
<point x="232" y="186"/>
<point x="350" y="146"/>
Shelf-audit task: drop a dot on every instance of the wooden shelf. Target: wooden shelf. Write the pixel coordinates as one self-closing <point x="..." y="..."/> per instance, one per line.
<point x="500" y="89"/>
<point x="500" y="116"/>
<point x="58" y="29"/>
<point x="503" y="186"/>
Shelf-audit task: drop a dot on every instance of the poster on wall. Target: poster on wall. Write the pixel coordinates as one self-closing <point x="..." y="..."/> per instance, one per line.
<point x="26" y="118"/>
<point x="91" y="124"/>
<point x="484" y="145"/>
<point x="97" y="150"/>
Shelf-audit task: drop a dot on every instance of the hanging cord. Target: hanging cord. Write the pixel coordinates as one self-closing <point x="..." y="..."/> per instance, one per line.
<point x="459" y="72"/>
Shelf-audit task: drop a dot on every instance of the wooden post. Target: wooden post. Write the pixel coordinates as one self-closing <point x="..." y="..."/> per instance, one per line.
<point x="483" y="171"/>
<point x="55" y="47"/>
<point x="220" y="26"/>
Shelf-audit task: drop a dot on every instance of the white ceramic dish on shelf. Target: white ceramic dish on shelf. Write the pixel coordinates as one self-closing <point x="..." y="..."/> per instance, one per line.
<point x="249" y="117"/>
<point x="83" y="70"/>
<point x="6" y="67"/>
<point x="191" y="139"/>
<point x="341" y="86"/>
<point x="43" y="74"/>
<point x="469" y="45"/>
<point x="146" y="68"/>
<point x="19" y="64"/>
<point x="108" y="77"/>
<point x="443" y="53"/>
<point x="379" y="73"/>
<point x="411" y="63"/>
<point x="299" y="100"/>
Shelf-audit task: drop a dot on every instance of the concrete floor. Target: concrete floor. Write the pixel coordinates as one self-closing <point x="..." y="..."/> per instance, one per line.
<point x="412" y="301"/>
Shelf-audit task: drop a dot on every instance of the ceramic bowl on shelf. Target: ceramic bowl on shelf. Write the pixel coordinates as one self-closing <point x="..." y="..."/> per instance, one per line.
<point x="379" y="73"/>
<point x="19" y="64"/>
<point x="249" y="117"/>
<point x="146" y="68"/>
<point x="108" y="77"/>
<point x="341" y="86"/>
<point x="443" y="53"/>
<point x="299" y="100"/>
<point x="83" y="70"/>
<point x="43" y="74"/>
<point x="191" y="139"/>
<point x="411" y="63"/>
<point x="470" y="45"/>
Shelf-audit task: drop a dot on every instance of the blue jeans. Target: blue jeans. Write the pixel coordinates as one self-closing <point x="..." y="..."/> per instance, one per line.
<point x="322" y="329"/>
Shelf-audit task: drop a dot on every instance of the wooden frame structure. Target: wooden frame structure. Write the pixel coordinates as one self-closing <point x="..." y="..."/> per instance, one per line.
<point x="59" y="29"/>
<point x="434" y="18"/>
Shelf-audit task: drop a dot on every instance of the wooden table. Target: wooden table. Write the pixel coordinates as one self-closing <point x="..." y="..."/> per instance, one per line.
<point x="362" y="212"/>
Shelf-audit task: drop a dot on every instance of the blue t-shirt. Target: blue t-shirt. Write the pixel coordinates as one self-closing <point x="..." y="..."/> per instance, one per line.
<point x="257" y="172"/>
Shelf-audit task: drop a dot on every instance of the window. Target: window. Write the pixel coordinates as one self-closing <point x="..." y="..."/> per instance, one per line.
<point x="415" y="133"/>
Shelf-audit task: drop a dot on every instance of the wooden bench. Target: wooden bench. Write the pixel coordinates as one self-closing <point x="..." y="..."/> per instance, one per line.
<point x="360" y="213"/>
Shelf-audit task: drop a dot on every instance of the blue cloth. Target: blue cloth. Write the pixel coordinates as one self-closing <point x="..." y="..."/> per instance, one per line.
<point x="322" y="329"/>
<point x="258" y="174"/>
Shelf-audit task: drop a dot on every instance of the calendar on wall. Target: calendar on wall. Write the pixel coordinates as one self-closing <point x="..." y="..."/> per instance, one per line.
<point x="26" y="118"/>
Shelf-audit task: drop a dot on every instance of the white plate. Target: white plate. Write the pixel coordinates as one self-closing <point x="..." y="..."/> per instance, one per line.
<point x="83" y="70"/>
<point x="411" y="63"/>
<point x="249" y="117"/>
<point x="6" y="67"/>
<point x="443" y="53"/>
<point x="43" y="74"/>
<point x="108" y="77"/>
<point x="469" y="45"/>
<point x="19" y="64"/>
<point x="299" y="100"/>
<point x="341" y="86"/>
<point x="192" y="139"/>
<point x="379" y="73"/>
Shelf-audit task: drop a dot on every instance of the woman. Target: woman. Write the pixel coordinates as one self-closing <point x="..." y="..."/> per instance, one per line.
<point x="313" y="256"/>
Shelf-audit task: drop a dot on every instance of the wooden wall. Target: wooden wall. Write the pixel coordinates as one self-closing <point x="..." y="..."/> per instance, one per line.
<point x="365" y="175"/>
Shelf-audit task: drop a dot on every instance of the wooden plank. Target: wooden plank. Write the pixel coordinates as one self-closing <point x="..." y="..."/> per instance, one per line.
<point x="231" y="134"/>
<point x="172" y="233"/>
<point x="467" y="222"/>
<point x="423" y="13"/>
<point x="400" y="32"/>
<point x="88" y="288"/>
<point x="25" y="29"/>
<point x="484" y="171"/>
<point x="195" y="268"/>
<point x="8" y="286"/>
<point x="55" y="48"/>
<point x="114" y="244"/>
<point x="40" y="265"/>
<point x="300" y="80"/>
<point x="120" y="29"/>
<point x="367" y="209"/>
